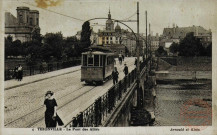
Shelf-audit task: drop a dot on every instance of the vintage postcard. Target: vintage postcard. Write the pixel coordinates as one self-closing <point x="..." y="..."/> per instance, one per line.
<point x="108" y="67"/>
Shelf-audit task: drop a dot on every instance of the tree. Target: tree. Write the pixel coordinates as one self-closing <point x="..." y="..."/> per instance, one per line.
<point x="191" y="46"/>
<point x="209" y="50"/>
<point x="16" y="48"/>
<point x="85" y="35"/>
<point x="174" y="48"/>
<point x="8" y="46"/>
<point x="70" y="46"/>
<point x="55" y="43"/>
<point x="161" y="52"/>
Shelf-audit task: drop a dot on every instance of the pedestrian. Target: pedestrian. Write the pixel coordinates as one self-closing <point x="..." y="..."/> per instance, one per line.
<point x="135" y="62"/>
<point x="122" y="57"/>
<point x="20" y="72"/>
<point x="125" y="69"/>
<point x="114" y="61"/>
<point x="115" y="75"/>
<point x="15" y="72"/>
<point x="51" y="117"/>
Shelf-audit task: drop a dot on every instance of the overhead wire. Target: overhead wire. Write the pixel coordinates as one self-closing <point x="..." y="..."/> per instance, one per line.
<point x="54" y="12"/>
<point x="129" y="17"/>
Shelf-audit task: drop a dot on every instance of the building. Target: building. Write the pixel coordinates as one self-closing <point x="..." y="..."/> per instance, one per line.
<point x="176" y="34"/>
<point x="155" y="42"/>
<point x="24" y="25"/>
<point x="112" y="37"/>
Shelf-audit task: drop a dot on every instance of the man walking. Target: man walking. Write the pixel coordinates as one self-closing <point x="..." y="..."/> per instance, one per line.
<point x="125" y="69"/>
<point x="20" y="73"/>
<point x="115" y="75"/>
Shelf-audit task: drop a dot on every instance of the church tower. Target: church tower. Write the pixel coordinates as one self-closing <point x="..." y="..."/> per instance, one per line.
<point x="109" y="22"/>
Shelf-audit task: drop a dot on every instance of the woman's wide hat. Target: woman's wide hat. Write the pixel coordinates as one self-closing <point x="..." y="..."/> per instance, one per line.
<point x="49" y="92"/>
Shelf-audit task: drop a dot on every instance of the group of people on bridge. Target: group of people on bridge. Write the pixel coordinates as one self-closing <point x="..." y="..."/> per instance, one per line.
<point x="120" y="58"/>
<point x="18" y="72"/>
<point x="115" y="73"/>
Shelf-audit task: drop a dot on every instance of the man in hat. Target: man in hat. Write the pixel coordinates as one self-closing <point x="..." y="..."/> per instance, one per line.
<point x="115" y="75"/>
<point x="125" y="69"/>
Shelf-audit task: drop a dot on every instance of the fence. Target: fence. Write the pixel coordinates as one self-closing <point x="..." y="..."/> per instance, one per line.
<point x="42" y="68"/>
<point x="98" y="111"/>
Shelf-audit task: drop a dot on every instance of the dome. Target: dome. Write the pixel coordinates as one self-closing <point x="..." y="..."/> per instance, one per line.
<point x="117" y="28"/>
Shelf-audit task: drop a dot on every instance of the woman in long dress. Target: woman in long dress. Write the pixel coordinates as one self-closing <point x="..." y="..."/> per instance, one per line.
<point x="51" y="117"/>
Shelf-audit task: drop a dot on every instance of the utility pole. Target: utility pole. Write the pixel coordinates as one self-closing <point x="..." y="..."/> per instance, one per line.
<point x="150" y="44"/>
<point x="150" y="39"/>
<point x="138" y="60"/>
<point x="146" y="35"/>
<point x="146" y="70"/>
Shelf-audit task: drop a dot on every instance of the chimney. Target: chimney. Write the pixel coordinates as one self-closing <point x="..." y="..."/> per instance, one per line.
<point x="196" y="31"/>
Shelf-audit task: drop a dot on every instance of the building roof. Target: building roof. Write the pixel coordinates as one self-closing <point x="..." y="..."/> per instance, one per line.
<point x="117" y="27"/>
<point x="10" y="20"/>
<point x="180" y="32"/>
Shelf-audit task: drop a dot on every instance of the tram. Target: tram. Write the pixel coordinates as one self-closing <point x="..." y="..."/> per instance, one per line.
<point x="97" y="65"/>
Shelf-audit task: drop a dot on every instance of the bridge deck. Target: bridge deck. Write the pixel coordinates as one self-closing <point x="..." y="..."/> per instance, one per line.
<point x="24" y="103"/>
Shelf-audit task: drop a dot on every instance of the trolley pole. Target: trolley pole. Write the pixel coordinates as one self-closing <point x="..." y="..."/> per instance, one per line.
<point x="138" y="61"/>
<point x="146" y="35"/>
<point x="150" y="44"/>
<point x="146" y="70"/>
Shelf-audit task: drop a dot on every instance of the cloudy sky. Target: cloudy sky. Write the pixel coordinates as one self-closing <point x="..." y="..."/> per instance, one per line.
<point x="161" y="13"/>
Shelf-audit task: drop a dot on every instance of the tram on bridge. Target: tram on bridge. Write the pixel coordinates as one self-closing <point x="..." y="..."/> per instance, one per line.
<point x="97" y="65"/>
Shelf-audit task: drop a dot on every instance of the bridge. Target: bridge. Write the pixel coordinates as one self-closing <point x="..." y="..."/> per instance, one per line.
<point x="79" y="104"/>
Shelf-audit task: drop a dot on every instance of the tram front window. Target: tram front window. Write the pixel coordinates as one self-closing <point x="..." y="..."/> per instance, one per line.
<point x="96" y="60"/>
<point x="90" y="61"/>
<point x="84" y="60"/>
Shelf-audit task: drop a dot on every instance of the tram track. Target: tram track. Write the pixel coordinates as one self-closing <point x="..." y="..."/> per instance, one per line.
<point x="36" y="115"/>
<point x="40" y="109"/>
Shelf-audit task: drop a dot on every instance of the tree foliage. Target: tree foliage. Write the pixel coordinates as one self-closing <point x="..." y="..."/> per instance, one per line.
<point x="85" y="36"/>
<point x="191" y="46"/>
<point x="160" y="51"/>
<point x="174" y="48"/>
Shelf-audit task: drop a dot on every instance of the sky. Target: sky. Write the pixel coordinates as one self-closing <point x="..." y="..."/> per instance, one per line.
<point x="161" y="13"/>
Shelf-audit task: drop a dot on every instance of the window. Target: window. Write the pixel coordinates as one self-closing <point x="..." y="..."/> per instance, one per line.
<point x="103" y="38"/>
<point x="27" y="19"/>
<point x="90" y="61"/>
<point x="30" y="21"/>
<point x="116" y="38"/>
<point x="107" y="42"/>
<point x="103" y="42"/>
<point x="101" y="60"/>
<point x="36" y="21"/>
<point x="21" y="18"/>
<point x="96" y="60"/>
<point x="84" y="60"/>
<point x="110" y="38"/>
<point x="107" y="38"/>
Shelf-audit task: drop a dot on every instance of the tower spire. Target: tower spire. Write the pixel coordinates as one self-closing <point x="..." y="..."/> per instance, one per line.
<point x="109" y="15"/>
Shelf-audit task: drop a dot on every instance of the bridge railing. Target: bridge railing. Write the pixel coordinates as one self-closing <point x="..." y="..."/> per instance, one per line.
<point x="104" y="105"/>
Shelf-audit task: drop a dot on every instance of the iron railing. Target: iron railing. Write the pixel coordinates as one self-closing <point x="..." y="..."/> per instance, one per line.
<point x="104" y="105"/>
<point x="40" y="68"/>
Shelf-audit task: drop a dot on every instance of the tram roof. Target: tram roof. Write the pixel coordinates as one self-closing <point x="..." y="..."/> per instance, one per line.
<point x="98" y="53"/>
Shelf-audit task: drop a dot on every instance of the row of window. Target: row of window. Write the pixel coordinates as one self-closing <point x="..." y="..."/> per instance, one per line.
<point x="29" y="20"/>
<point x="107" y="38"/>
<point x="97" y="60"/>
<point x="107" y="34"/>
<point x="107" y="42"/>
